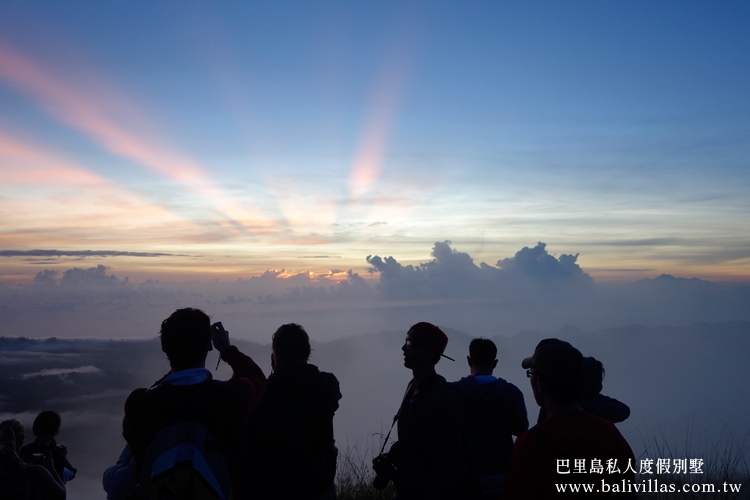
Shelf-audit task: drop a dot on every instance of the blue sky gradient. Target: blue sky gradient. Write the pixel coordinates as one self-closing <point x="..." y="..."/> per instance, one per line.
<point x="244" y="136"/>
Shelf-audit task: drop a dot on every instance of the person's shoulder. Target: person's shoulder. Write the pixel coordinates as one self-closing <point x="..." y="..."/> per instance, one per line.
<point x="511" y="392"/>
<point x="140" y="400"/>
<point x="331" y="383"/>
<point x="596" y="421"/>
<point x="442" y="390"/>
<point x="138" y="396"/>
<point x="522" y="442"/>
<point x="36" y="471"/>
<point x="465" y="383"/>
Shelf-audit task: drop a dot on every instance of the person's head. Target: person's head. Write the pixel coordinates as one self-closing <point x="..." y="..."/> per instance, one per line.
<point x="556" y="371"/>
<point x="593" y="375"/>
<point x="482" y="356"/>
<point x="46" y="424"/>
<point x="290" y="344"/>
<point x="424" y="345"/>
<point x="12" y="435"/>
<point x="186" y="338"/>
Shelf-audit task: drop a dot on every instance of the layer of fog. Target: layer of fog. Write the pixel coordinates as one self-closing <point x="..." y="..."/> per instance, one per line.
<point x="685" y="385"/>
<point x="531" y="290"/>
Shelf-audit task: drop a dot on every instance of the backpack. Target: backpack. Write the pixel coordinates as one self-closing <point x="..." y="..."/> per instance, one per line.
<point x="184" y="462"/>
<point x="14" y="484"/>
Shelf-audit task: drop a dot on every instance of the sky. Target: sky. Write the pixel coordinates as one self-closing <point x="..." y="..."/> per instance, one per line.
<point x="512" y="170"/>
<point x="209" y="141"/>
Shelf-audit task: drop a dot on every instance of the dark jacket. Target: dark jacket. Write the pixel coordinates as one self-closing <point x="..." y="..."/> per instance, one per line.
<point x="306" y="399"/>
<point x="429" y="453"/>
<point x="222" y="406"/>
<point x="495" y="412"/>
<point x="59" y="457"/>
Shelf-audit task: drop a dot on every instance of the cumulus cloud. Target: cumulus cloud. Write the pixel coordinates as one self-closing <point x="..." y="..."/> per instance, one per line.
<point x="535" y="263"/>
<point x="320" y="288"/>
<point x="45" y="278"/>
<point x="454" y="274"/>
<point x="530" y="289"/>
<point x="76" y="278"/>
<point x="91" y="277"/>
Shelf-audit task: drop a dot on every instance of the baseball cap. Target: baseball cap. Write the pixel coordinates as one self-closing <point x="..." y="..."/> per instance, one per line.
<point x="556" y="359"/>
<point x="430" y="337"/>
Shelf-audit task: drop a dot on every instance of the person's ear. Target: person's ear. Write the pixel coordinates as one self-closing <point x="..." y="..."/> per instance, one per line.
<point x="468" y="360"/>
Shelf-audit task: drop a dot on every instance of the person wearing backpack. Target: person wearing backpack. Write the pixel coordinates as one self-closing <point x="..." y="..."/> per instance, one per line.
<point x="186" y="431"/>
<point x="45" y="428"/>
<point x="20" y="480"/>
<point x="494" y="412"/>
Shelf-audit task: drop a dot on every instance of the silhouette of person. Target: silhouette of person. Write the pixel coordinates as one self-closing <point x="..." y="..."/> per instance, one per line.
<point x="591" y="398"/>
<point x="570" y="446"/>
<point x="121" y="479"/>
<point x="429" y="456"/>
<point x="18" y="479"/>
<point x="188" y="392"/>
<point x="495" y="412"/>
<point x="46" y="426"/>
<point x="305" y="399"/>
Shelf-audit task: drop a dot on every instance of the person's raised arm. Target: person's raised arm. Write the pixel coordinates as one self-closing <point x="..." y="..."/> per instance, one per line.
<point x="245" y="371"/>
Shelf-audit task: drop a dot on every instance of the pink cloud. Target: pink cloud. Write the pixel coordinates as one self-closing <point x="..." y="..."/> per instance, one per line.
<point x="388" y="91"/>
<point x="92" y="116"/>
<point x="105" y="115"/>
<point x="29" y="164"/>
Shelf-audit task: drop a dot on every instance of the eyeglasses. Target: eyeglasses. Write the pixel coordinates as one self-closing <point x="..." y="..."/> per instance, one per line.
<point x="529" y="373"/>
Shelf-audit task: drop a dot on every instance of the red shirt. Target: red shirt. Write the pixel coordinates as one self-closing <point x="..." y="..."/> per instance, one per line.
<point x="545" y="456"/>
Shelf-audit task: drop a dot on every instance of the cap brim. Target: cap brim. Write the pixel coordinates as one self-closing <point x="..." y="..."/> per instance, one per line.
<point x="527" y="363"/>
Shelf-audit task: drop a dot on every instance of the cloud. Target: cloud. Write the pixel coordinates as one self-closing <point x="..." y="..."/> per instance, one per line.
<point x="535" y="263"/>
<point x="303" y="287"/>
<point x="63" y="372"/>
<point x="78" y="278"/>
<point x="104" y="114"/>
<point x="45" y="278"/>
<point x="454" y="274"/>
<point x="93" y="276"/>
<point x="82" y="253"/>
<point x="529" y="289"/>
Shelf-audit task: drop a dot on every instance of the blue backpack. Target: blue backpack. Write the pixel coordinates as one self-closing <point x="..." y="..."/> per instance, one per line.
<point x="184" y="462"/>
